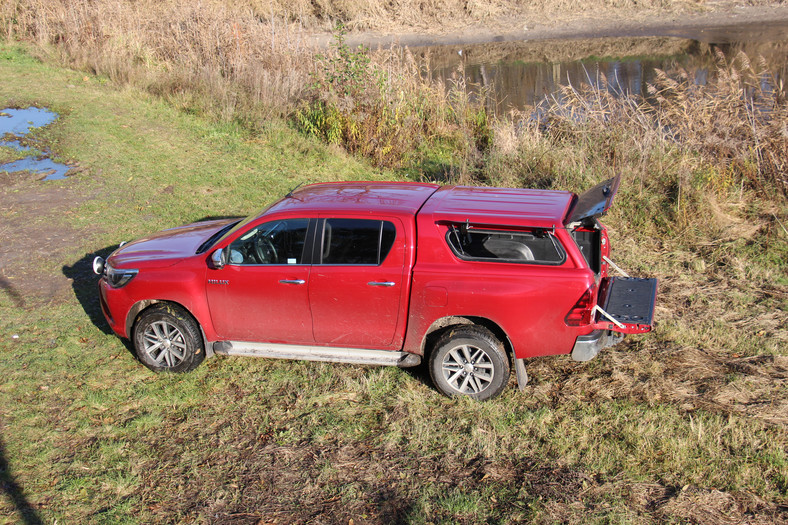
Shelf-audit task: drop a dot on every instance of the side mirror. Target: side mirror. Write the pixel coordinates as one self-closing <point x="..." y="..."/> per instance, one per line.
<point x="218" y="259"/>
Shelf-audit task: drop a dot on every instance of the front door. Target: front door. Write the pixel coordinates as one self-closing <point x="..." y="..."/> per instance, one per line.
<point x="261" y="295"/>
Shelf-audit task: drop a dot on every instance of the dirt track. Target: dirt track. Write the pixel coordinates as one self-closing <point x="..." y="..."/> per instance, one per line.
<point x="698" y="25"/>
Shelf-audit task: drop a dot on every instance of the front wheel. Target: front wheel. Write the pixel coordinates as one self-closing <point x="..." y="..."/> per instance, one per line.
<point x="166" y="338"/>
<point x="469" y="361"/>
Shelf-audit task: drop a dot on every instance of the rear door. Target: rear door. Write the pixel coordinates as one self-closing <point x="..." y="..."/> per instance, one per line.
<point x="356" y="282"/>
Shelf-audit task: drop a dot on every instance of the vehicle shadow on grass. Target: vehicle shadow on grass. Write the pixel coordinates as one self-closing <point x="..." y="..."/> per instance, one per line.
<point x="420" y="373"/>
<point x="83" y="282"/>
<point x="14" y="492"/>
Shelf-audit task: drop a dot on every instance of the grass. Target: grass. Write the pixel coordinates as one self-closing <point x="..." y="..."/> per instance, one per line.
<point x="686" y="424"/>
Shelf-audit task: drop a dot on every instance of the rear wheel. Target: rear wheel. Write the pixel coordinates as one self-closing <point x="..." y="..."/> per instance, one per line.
<point x="469" y="361"/>
<point x="166" y="338"/>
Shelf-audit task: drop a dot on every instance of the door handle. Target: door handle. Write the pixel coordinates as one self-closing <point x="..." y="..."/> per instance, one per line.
<point x="292" y="281"/>
<point x="381" y="283"/>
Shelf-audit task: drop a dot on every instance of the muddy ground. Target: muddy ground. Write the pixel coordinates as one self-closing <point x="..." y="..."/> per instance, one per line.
<point x="701" y="23"/>
<point x="34" y="237"/>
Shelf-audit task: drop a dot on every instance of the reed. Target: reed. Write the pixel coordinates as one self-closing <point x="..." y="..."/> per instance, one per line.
<point x="725" y="136"/>
<point x="212" y="56"/>
<point x="356" y="14"/>
<point x="384" y="106"/>
<point x="249" y="61"/>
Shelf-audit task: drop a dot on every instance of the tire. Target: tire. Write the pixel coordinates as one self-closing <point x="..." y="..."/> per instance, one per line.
<point x="167" y="339"/>
<point x="469" y="361"/>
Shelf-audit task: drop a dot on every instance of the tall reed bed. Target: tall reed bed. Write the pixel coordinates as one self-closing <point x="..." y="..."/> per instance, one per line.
<point x="249" y="61"/>
<point x="388" y="15"/>
<point x="729" y="134"/>
<point x="210" y="56"/>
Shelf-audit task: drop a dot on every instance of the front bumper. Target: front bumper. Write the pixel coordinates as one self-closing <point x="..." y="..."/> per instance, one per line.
<point x="588" y="346"/>
<point x="115" y="306"/>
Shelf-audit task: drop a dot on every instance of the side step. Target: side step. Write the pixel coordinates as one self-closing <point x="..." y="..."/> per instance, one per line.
<point x="359" y="356"/>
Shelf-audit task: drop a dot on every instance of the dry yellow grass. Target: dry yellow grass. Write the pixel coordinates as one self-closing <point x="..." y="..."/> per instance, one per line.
<point x="238" y="56"/>
<point x="211" y="55"/>
<point x="369" y="14"/>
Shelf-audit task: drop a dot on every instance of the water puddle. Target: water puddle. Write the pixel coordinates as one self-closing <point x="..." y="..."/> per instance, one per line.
<point x="15" y="124"/>
<point x="521" y="74"/>
<point x="54" y="170"/>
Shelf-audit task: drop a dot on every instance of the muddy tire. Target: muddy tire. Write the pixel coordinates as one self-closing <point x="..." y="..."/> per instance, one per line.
<point x="167" y="339"/>
<point x="469" y="361"/>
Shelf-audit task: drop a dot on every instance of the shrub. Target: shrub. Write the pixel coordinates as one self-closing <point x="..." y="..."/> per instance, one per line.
<point x="384" y="106"/>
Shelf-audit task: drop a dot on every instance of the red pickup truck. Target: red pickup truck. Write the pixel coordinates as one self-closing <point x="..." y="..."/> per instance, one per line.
<point x="383" y="273"/>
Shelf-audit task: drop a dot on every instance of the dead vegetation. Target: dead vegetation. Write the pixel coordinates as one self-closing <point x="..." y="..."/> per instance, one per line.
<point x="215" y="57"/>
<point x="263" y="482"/>
<point x="422" y="15"/>
<point x="250" y="61"/>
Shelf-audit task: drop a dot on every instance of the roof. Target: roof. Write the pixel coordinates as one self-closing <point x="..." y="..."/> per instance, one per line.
<point x="511" y="206"/>
<point x="537" y="208"/>
<point x="395" y="198"/>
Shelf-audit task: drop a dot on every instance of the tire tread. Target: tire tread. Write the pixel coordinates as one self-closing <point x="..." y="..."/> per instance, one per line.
<point x="187" y="325"/>
<point x="473" y="332"/>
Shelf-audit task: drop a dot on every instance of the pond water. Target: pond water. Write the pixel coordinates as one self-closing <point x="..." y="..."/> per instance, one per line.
<point x="521" y="74"/>
<point x="15" y="125"/>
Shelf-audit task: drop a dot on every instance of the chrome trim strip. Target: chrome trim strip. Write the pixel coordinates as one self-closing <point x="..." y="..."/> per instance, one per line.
<point x="361" y="356"/>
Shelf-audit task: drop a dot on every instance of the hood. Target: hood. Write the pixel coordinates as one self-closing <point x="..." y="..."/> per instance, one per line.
<point x="166" y="247"/>
<point x="595" y="202"/>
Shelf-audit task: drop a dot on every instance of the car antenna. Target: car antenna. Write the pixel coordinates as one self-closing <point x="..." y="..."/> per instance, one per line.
<point x="290" y="193"/>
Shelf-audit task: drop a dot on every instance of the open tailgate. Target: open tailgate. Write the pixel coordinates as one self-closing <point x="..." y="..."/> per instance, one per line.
<point x="627" y="304"/>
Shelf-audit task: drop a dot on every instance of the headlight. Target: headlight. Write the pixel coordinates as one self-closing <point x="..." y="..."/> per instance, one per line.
<point x="117" y="278"/>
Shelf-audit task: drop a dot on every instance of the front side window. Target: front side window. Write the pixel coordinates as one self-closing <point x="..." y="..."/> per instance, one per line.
<point x="531" y="246"/>
<point x="275" y="242"/>
<point x="356" y="241"/>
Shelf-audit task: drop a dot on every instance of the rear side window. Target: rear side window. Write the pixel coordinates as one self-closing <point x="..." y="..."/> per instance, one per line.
<point x="532" y="246"/>
<point x="356" y="241"/>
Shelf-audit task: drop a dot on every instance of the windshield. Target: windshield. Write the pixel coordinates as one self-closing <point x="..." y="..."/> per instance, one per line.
<point x="229" y="230"/>
<point x="216" y="236"/>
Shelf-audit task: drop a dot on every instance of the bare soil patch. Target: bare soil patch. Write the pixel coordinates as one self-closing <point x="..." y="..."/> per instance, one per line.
<point x="35" y="239"/>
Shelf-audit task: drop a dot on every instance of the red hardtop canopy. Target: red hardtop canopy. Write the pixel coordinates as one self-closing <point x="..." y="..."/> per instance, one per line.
<point x="505" y="206"/>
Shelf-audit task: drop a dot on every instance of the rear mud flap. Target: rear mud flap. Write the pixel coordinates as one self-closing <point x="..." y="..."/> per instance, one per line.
<point x="522" y="375"/>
